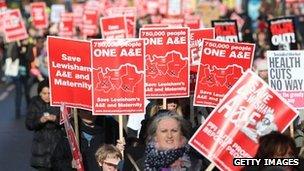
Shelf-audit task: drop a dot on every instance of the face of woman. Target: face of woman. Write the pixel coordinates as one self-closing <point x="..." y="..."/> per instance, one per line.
<point x="45" y="94"/>
<point x="168" y="134"/>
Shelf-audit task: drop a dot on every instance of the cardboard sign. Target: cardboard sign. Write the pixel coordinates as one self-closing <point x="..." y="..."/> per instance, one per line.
<point x="70" y="72"/>
<point x="39" y="15"/>
<point x="167" y="62"/>
<point x="130" y="14"/>
<point x="90" y="21"/>
<point x="66" y="26"/>
<point x="118" y="76"/>
<point x="192" y="21"/>
<point x="13" y="26"/>
<point x="113" y="27"/>
<point x="283" y="34"/>
<point x="72" y="139"/>
<point x="196" y="40"/>
<point x="248" y="111"/>
<point x="285" y="74"/>
<point x="174" y="7"/>
<point x="222" y="64"/>
<point x="56" y="10"/>
<point x="226" y="30"/>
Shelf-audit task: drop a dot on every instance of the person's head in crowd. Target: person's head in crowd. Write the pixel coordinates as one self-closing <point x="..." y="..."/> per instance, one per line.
<point x="276" y="145"/>
<point x="168" y="130"/>
<point x="44" y="91"/>
<point x="172" y="105"/>
<point x="108" y="157"/>
<point x="86" y="117"/>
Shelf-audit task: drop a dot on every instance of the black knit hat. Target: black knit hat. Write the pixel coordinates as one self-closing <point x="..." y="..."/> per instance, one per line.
<point x="42" y="84"/>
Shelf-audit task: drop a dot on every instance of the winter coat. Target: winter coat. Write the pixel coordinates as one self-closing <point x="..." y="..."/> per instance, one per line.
<point x="46" y="135"/>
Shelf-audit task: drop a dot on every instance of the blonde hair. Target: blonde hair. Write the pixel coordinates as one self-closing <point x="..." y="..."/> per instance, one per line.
<point x="107" y="150"/>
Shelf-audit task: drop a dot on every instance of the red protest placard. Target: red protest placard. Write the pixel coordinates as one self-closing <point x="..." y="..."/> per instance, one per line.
<point x="130" y="14"/>
<point x="154" y="25"/>
<point x="226" y="30"/>
<point x="222" y="64"/>
<point x="249" y="110"/>
<point x="167" y="62"/>
<point x="72" y="138"/>
<point x="113" y="27"/>
<point x="196" y="40"/>
<point x="39" y="15"/>
<point x="173" y="22"/>
<point x="118" y="76"/>
<point x="283" y="33"/>
<point x="13" y="26"/>
<point x="192" y="21"/>
<point x="66" y="26"/>
<point x="78" y="15"/>
<point x="70" y="72"/>
<point x="90" y="21"/>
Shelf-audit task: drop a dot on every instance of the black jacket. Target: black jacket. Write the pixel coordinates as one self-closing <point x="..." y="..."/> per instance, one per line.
<point x="46" y="135"/>
<point x="105" y="132"/>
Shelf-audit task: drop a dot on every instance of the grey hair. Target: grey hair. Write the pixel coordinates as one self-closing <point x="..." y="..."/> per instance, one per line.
<point x="166" y="114"/>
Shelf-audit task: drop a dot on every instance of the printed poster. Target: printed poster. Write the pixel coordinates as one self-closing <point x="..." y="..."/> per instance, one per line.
<point x="13" y="26"/>
<point x="283" y="34"/>
<point x="118" y="76"/>
<point x="66" y="25"/>
<point x="113" y="27"/>
<point x="70" y="72"/>
<point x="174" y="7"/>
<point x="285" y="74"/>
<point x="222" y="64"/>
<point x="56" y="10"/>
<point x="226" y="30"/>
<point x="167" y="62"/>
<point x="248" y="111"/>
<point x="39" y="15"/>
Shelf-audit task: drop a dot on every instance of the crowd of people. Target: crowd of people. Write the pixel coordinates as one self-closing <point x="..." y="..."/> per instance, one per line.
<point x="161" y="142"/>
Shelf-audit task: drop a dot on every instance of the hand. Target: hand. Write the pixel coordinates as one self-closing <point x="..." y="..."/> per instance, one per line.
<point x="43" y="119"/>
<point x="121" y="144"/>
<point x="52" y="117"/>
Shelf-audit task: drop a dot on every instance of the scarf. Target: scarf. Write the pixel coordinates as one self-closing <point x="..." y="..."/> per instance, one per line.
<point x="157" y="159"/>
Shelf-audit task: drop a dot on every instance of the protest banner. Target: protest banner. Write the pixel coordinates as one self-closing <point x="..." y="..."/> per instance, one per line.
<point x="285" y="74"/>
<point x="74" y="146"/>
<point x="226" y="30"/>
<point x="167" y="62"/>
<point x="174" y="7"/>
<point x="192" y="21"/>
<point x="66" y="25"/>
<point x="196" y="39"/>
<point x="90" y="21"/>
<point x="40" y="18"/>
<point x="283" y="34"/>
<point x="13" y="26"/>
<point x="56" y="10"/>
<point x="130" y="14"/>
<point x="118" y="76"/>
<point x="222" y="64"/>
<point x="3" y="6"/>
<point x="248" y="111"/>
<point x="69" y="72"/>
<point x="113" y="27"/>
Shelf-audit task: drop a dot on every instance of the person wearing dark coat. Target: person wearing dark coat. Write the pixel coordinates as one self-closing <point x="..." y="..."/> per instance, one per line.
<point x="43" y="119"/>
<point x="94" y="131"/>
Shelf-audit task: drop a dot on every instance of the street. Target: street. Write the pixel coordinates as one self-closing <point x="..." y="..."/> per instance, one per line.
<point x="15" y="139"/>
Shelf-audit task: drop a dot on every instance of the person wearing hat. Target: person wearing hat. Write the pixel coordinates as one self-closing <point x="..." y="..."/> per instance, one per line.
<point x="108" y="157"/>
<point x="43" y="119"/>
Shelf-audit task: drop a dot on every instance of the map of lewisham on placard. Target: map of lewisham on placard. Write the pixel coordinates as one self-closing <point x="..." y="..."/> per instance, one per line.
<point x="126" y="77"/>
<point x="220" y="77"/>
<point x="170" y="65"/>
